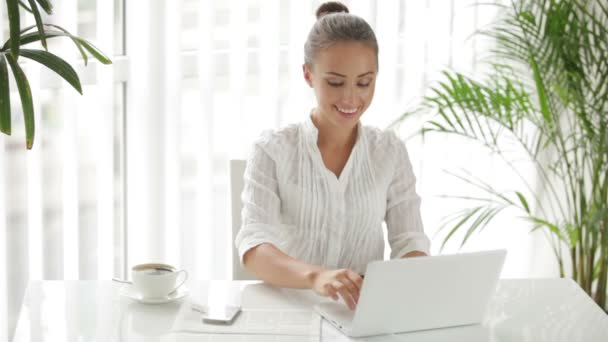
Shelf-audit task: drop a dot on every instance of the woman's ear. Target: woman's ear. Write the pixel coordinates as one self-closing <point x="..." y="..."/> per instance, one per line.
<point x="307" y="74"/>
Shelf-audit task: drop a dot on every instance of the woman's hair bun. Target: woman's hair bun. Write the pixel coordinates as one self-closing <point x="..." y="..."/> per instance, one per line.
<point x="331" y="7"/>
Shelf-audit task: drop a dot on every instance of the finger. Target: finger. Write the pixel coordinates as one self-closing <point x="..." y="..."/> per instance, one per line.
<point x="356" y="278"/>
<point x="345" y="294"/>
<point x="351" y="286"/>
<point x="331" y="292"/>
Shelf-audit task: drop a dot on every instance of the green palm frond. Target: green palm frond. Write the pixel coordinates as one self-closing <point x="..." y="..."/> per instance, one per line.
<point x="548" y="89"/>
<point x="475" y="219"/>
<point x="12" y="49"/>
<point x="481" y="111"/>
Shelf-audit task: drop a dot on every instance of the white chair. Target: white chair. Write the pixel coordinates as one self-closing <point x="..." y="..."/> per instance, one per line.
<point x="237" y="169"/>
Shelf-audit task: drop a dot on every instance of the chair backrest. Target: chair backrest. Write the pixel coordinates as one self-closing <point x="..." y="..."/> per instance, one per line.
<point x="237" y="169"/>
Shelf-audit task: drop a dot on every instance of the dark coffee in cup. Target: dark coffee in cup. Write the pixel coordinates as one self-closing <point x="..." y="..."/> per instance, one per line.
<point x="157" y="271"/>
<point x="156" y="280"/>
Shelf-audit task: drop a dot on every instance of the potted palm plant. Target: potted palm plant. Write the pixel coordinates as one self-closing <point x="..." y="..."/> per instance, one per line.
<point x="13" y="49"/>
<point x="547" y="91"/>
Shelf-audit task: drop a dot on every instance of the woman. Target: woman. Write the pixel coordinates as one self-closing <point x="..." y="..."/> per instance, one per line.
<point x="316" y="193"/>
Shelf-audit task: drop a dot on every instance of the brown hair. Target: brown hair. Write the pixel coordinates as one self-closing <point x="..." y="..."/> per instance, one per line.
<point x="335" y="24"/>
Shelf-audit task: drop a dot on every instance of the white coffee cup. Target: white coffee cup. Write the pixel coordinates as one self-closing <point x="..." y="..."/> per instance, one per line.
<point x="156" y="280"/>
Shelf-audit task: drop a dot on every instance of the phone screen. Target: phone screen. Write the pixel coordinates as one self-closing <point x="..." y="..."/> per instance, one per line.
<point x="220" y="314"/>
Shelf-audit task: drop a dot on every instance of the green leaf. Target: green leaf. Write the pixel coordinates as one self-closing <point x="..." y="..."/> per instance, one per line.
<point x="439" y="127"/>
<point x="5" y="99"/>
<point x="32" y="37"/>
<point x="93" y="50"/>
<point x="480" y="222"/>
<point x="76" y="42"/>
<point x="480" y="184"/>
<point x="26" y="99"/>
<point x="39" y="23"/>
<point x="574" y="233"/>
<point x="23" y="39"/>
<point x="27" y="28"/>
<point x="465" y="217"/>
<point x="529" y="17"/>
<point x="12" y="7"/>
<point x="46" y="6"/>
<point x="543" y="223"/>
<point x="58" y="65"/>
<point x="523" y="201"/>
<point x="24" y="6"/>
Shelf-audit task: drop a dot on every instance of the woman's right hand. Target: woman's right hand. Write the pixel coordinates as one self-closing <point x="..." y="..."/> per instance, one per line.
<point x="345" y="282"/>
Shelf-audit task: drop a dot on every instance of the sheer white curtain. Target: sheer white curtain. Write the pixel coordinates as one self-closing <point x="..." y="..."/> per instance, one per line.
<point x="198" y="82"/>
<point x="61" y="202"/>
<point x="197" y="101"/>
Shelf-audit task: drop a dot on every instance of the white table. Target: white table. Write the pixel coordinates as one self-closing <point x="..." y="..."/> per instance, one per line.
<point x="522" y="310"/>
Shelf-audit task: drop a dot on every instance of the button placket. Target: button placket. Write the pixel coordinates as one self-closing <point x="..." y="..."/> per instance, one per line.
<point x="337" y="232"/>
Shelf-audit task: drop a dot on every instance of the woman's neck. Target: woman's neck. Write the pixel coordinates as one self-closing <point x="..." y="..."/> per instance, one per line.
<point x="331" y="136"/>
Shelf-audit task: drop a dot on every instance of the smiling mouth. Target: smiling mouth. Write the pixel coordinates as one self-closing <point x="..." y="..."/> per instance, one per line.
<point x="348" y="112"/>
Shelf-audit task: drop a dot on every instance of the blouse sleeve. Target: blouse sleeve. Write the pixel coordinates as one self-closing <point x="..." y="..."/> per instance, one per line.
<point x="403" y="221"/>
<point x="261" y="204"/>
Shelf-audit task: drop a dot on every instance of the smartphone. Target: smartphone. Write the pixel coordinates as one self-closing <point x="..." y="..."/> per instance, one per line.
<point x="220" y="314"/>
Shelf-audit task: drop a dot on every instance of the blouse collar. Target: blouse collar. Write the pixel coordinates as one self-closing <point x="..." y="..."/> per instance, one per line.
<point x="311" y="137"/>
<point x="312" y="132"/>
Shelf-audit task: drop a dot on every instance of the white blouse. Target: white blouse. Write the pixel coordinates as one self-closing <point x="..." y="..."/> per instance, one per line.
<point x="294" y="202"/>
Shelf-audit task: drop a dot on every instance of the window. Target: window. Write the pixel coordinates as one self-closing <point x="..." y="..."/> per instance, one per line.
<point x="136" y="169"/>
<point x="62" y="202"/>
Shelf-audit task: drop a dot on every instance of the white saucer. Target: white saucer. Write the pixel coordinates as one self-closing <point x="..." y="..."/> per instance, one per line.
<point x="129" y="292"/>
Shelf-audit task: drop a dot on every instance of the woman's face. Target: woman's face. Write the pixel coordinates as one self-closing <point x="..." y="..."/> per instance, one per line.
<point x="343" y="77"/>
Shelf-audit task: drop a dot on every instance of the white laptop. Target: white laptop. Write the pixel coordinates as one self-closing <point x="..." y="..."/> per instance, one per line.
<point x="419" y="293"/>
